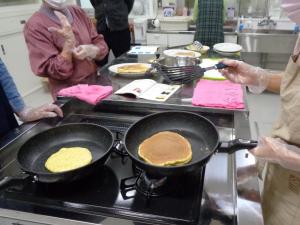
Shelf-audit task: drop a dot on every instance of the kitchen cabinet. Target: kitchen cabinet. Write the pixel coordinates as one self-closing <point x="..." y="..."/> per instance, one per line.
<point x="180" y="39"/>
<point x="13" y="49"/>
<point x="157" y="39"/>
<point x="6" y="221"/>
<point x="230" y="38"/>
<point x="169" y="39"/>
<point x="14" y="53"/>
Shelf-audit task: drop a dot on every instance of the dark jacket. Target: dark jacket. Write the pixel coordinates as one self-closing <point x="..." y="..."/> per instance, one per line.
<point x="116" y="12"/>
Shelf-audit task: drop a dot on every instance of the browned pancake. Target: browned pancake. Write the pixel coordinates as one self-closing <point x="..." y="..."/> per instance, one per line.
<point x="165" y="148"/>
<point x="133" y="68"/>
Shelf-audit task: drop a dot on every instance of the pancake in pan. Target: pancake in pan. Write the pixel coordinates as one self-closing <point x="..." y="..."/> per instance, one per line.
<point x="165" y="149"/>
<point x="67" y="159"/>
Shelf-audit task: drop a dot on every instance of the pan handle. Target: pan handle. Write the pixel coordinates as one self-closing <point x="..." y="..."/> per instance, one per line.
<point x="13" y="180"/>
<point x="236" y="144"/>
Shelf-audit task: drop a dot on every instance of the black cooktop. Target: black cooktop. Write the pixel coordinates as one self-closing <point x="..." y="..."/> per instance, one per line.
<point x="111" y="190"/>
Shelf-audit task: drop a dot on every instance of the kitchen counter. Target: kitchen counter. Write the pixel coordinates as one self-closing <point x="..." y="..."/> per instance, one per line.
<point x="190" y="31"/>
<point x="231" y="194"/>
<point x="180" y="100"/>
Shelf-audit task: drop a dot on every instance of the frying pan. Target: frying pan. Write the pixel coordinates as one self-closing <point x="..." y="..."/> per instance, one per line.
<point x="199" y="131"/>
<point x="33" y="153"/>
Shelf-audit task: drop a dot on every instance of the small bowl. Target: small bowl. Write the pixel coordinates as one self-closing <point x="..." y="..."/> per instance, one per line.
<point x="202" y="50"/>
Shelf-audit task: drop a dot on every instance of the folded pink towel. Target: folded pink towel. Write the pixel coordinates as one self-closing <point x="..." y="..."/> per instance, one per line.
<point x="218" y="94"/>
<point x="91" y="94"/>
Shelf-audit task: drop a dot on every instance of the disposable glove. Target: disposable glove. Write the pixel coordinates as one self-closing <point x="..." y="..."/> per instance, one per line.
<point x="278" y="151"/>
<point x="65" y="31"/>
<point x="86" y="52"/>
<point x="239" y="72"/>
<point x="44" y="111"/>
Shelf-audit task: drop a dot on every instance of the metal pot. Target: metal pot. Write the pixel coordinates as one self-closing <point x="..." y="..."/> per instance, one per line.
<point x="178" y="61"/>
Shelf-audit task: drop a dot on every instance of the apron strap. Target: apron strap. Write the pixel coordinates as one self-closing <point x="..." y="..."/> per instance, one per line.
<point x="7" y="118"/>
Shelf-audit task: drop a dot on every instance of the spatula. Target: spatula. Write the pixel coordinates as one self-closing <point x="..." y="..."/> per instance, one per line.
<point x="185" y="74"/>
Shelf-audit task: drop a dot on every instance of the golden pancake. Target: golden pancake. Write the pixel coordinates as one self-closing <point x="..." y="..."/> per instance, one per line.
<point x="165" y="149"/>
<point x="188" y="54"/>
<point x="133" y="68"/>
<point x="68" y="159"/>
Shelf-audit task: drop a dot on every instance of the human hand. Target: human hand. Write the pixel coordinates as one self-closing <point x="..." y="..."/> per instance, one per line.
<point x="65" y="31"/>
<point x="242" y="73"/>
<point x="86" y="52"/>
<point x="278" y="151"/>
<point x="44" y="111"/>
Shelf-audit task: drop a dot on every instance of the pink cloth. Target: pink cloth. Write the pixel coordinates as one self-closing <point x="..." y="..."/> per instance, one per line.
<point x="45" y="48"/>
<point x="91" y="94"/>
<point x="218" y="94"/>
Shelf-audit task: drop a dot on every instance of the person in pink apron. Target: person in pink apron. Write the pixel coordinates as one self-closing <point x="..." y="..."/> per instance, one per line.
<point x="281" y="191"/>
<point x="63" y="45"/>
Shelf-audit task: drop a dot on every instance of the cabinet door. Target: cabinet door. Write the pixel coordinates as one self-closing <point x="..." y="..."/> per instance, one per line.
<point x="157" y="39"/>
<point x="9" y="221"/>
<point x="230" y="38"/>
<point x="14" y="53"/>
<point x="180" y="39"/>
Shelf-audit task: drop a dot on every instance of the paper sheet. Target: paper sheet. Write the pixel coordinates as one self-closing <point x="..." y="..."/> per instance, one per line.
<point x="137" y="50"/>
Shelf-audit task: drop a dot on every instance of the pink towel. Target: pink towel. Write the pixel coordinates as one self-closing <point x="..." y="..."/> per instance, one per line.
<point x="91" y="94"/>
<point x="218" y="94"/>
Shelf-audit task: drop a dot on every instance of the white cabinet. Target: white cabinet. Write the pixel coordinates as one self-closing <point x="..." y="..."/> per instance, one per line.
<point x="9" y="221"/>
<point x="13" y="49"/>
<point x="169" y="39"/>
<point x="230" y="38"/>
<point x="157" y="39"/>
<point x="180" y="39"/>
<point x="14" y="53"/>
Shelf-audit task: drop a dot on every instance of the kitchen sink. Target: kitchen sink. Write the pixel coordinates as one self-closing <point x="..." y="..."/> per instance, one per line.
<point x="268" y="31"/>
<point x="264" y="40"/>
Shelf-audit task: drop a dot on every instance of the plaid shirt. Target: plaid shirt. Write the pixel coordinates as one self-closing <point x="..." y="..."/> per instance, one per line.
<point x="209" y="24"/>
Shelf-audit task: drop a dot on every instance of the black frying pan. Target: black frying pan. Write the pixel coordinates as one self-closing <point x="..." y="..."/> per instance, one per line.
<point x="199" y="131"/>
<point x="33" y="154"/>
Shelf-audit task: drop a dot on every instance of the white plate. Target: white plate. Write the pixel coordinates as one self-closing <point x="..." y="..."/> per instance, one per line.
<point x="174" y="52"/>
<point x="226" y="53"/>
<point x="227" y="47"/>
<point x="114" y="68"/>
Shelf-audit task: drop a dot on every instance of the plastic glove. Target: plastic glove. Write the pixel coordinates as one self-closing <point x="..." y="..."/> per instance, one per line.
<point x="66" y="31"/>
<point x="239" y="72"/>
<point x="278" y="151"/>
<point x="86" y="52"/>
<point x="44" y="111"/>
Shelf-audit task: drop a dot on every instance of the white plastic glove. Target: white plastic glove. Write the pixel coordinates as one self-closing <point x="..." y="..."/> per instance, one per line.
<point x="44" y="111"/>
<point x="66" y="31"/>
<point x="278" y="151"/>
<point x="86" y="52"/>
<point x="255" y="78"/>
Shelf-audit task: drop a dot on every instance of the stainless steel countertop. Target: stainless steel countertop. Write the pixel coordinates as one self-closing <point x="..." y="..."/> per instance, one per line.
<point x="192" y="31"/>
<point x="245" y="196"/>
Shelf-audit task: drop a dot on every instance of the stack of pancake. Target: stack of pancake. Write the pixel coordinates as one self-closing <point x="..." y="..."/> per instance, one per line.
<point x="165" y="149"/>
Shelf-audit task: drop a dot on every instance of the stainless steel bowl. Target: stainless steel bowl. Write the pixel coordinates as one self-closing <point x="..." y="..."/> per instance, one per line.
<point x="178" y="61"/>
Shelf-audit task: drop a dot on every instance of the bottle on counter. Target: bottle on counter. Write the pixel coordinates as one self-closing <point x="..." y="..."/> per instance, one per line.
<point x="296" y="29"/>
<point x="241" y="24"/>
<point x="230" y="12"/>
